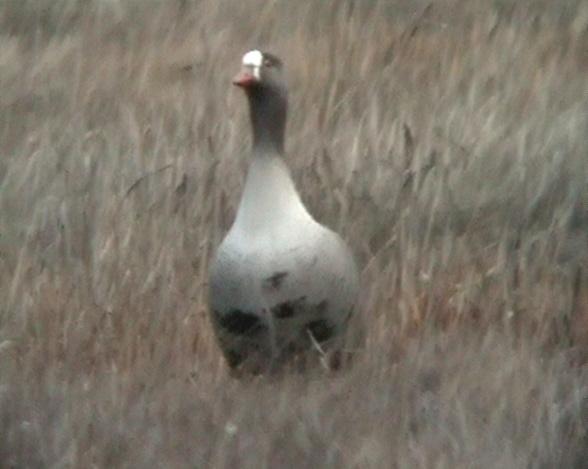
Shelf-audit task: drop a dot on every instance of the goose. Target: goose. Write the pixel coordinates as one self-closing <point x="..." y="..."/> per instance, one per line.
<point x="280" y="282"/>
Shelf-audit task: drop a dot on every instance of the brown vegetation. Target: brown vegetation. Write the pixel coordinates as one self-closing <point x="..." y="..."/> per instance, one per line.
<point x="446" y="140"/>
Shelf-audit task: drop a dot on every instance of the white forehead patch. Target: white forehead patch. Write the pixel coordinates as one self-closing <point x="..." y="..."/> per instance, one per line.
<point x="253" y="58"/>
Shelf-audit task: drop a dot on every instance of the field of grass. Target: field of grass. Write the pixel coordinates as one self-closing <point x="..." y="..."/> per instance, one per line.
<point x="446" y="140"/>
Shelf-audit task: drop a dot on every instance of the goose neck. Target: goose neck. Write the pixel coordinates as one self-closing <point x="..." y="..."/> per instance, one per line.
<point x="268" y="120"/>
<point x="269" y="196"/>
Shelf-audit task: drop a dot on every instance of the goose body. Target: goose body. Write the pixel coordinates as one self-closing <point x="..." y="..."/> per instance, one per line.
<point x="280" y="281"/>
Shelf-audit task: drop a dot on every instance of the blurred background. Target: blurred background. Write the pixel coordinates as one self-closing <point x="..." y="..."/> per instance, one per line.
<point x="446" y="140"/>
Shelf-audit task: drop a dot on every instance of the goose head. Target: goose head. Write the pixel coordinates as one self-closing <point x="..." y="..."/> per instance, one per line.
<point x="260" y="71"/>
<point x="262" y="79"/>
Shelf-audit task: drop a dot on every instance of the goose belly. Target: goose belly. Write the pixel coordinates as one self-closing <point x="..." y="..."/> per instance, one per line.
<point x="270" y="296"/>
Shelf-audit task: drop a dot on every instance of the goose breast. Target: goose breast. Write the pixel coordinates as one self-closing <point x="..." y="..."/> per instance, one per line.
<point x="269" y="295"/>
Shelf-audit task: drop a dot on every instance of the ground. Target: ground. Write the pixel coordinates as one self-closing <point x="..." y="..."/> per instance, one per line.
<point x="445" y="140"/>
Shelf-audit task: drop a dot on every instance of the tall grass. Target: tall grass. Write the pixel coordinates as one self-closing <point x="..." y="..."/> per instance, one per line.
<point x="446" y="141"/>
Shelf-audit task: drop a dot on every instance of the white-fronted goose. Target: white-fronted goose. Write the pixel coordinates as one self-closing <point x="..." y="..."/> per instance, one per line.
<point x="279" y="277"/>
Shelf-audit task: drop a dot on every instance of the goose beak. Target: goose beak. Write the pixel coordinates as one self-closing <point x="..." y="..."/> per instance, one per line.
<point x="247" y="77"/>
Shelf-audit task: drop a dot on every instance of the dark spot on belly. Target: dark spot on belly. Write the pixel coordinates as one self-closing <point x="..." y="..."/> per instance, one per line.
<point x="275" y="280"/>
<point x="233" y="358"/>
<point x="240" y="323"/>
<point x="289" y="308"/>
<point x="322" y="306"/>
<point x="321" y="330"/>
<point x="284" y="310"/>
<point x="349" y="314"/>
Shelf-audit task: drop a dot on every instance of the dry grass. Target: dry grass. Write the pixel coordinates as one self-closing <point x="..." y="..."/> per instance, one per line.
<point x="447" y="143"/>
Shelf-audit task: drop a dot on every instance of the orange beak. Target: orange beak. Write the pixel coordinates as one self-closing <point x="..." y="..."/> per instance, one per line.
<point x="245" y="79"/>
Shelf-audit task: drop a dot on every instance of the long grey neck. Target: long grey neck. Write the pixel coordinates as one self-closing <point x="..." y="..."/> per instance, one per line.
<point x="269" y="198"/>
<point x="267" y="110"/>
